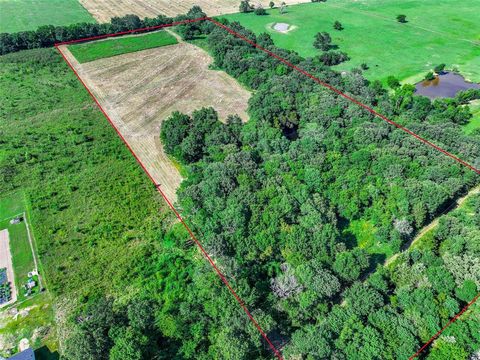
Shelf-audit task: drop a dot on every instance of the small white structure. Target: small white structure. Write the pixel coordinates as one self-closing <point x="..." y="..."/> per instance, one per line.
<point x="30" y="284"/>
<point x="16" y="220"/>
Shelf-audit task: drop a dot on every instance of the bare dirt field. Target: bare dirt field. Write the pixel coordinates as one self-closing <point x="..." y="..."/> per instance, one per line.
<point x="139" y="90"/>
<point x="104" y="10"/>
<point x="6" y="262"/>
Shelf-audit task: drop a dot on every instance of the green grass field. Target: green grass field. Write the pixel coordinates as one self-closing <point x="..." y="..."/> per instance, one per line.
<point x="22" y="15"/>
<point x="22" y="256"/>
<point x="11" y="205"/>
<point x="436" y="32"/>
<point x="112" y="47"/>
<point x="474" y="123"/>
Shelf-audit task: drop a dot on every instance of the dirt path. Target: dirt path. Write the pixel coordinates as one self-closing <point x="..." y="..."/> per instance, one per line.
<point x="6" y="262"/>
<point x="459" y="202"/>
<point x="34" y="255"/>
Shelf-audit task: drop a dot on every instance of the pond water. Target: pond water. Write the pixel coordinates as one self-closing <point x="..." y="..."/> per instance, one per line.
<point x="282" y="27"/>
<point x="447" y="84"/>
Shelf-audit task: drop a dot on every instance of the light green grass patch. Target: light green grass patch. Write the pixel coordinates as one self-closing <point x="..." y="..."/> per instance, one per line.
<point x="436" y="32"/>
<point x="11" y="205"/>
<point x="364" y="232"/>
<point x="426" y="242"/>
<point x="112" y="47"/>
<point x="22" y="15"/>
<point x="474" y="122"/>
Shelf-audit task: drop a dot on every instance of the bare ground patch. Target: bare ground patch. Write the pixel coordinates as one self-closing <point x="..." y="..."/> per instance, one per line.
<point x="139" y="90"/>
<point x="104" y="10"/>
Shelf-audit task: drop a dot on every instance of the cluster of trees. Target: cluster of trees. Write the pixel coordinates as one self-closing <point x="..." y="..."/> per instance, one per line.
<point x="274" y="199"/>
<point x="323" y="41"/>
<point x="399" y="307"/>
<point x="246" y="7"/>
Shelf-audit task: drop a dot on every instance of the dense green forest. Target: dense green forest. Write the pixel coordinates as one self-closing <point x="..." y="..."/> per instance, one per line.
<point x="305" y="200"/>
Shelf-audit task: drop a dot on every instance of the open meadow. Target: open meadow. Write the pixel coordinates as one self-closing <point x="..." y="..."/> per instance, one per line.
<point x="103" y="10"/>
<point x="139" y="90"/>
<point x="436" y="32"/>
<point x="22" y="15"/>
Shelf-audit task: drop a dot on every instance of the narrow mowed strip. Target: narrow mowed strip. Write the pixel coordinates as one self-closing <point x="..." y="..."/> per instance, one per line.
<point x="112" y="47"/>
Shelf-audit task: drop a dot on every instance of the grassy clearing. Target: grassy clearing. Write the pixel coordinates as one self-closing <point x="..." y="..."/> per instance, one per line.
<point x="474" y="122"/>
<point x="22" y="15"/>
<point x="112" y="47"/>
<point x="11" y="205"/>
<point x="93" y="212"/>
<point x="435" y="33"/>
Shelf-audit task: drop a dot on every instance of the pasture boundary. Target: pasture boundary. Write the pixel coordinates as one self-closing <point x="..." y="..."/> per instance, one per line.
<point x="307" y="74"/>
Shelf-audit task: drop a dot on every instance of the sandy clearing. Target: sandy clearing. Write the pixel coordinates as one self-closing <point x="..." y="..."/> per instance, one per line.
<point x="139" y="90"/>
<point x="6" y="262"/>
<point x="104" y="10"/>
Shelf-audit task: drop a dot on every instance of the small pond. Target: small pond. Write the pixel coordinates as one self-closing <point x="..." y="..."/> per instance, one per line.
<point x="281" y="27"/>
<point x="445" y="85"/>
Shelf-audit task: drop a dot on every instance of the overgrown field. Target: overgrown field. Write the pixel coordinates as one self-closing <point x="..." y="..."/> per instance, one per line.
<point x="21" y="15"/>
<point x="112" y="47"/>
<point x="436" y="32"/>
<point x="93" y="210"/>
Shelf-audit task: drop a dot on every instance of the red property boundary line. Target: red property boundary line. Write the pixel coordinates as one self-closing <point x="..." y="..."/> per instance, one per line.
<point x="177" y="214"/>
<point x="455" y="318"/>
<point x="296" y="68"/>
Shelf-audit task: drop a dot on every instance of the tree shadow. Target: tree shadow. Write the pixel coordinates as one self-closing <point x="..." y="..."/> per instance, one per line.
<point x="44" y="353"/>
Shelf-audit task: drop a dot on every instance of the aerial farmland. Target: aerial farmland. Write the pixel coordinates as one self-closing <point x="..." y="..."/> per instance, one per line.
<point x="239" y="180"/>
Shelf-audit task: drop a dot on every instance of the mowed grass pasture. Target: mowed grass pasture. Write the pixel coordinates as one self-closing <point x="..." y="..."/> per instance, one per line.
<point x="112" y="47"/>
<point x="22" y="257"/>
<point x="436" y="32"/>
<point x="22" y="15"/>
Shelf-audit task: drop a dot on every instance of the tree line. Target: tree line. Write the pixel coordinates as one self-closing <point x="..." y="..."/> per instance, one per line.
<point x="48" y="35"/>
